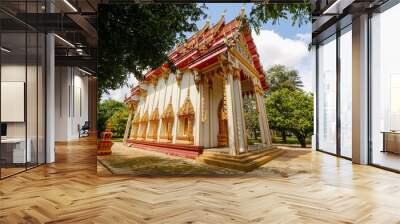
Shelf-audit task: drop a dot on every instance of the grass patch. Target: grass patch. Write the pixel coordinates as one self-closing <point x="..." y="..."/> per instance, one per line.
<point x="153" y="165"/>
<point x="119" y="139"/>
<point x="289" y="140"/>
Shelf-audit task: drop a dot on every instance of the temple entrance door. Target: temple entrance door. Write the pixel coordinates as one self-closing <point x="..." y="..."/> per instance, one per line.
<point x="223" y="124"/>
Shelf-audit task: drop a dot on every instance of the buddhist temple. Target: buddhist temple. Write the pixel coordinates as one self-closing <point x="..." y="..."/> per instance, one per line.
<point x="199" y="105"/>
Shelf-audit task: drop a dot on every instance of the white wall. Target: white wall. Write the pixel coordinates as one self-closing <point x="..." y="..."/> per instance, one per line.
<point x="71" y="102"/>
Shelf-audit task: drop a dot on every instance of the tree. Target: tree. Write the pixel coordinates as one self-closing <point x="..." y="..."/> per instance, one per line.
<point x="118" y="121"/>
<point x="291" y="110"/>
<point x="251" y="117"/>
<point x="278" y="77"/>
<point x="134" y="38"/>
<point x="105" y="110"/>
<point x="300" y="13"/>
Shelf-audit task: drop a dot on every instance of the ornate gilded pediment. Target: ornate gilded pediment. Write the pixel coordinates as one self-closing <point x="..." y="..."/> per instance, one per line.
<point x="243" y="48"/>
<point x="187" y="108"/>
<point x="169" y="112"/>
<point x="145" y="117"/>
<point x="155" y="115"/>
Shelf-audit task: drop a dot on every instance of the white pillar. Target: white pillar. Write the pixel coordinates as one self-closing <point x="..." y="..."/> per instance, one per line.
<point x="360" y="90"/>
<point x="198" y="132"/>
<point x="128" y="125"/>
<point x="231" y="110"/>
<point x="264" y="127"/>
<point x="175" y="127"/>
<point x="260" y="118"/>
<point x="241" y="128"/>
<point x="50" y="98"/>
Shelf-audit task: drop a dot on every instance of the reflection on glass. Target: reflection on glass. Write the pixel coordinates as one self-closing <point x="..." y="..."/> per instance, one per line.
<point x="41" y="99"/>
<point x="385" y="84"/>
<point x="346" y="93"/>
<point x="15" y="151"/>
<point x="327" y="96"/>
<point x="31" y="97"/>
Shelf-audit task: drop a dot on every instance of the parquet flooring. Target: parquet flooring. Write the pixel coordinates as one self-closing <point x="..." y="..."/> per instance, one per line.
<point x="299" y="187"/>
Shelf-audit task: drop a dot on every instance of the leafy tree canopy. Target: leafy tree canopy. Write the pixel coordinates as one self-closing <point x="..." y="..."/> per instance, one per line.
<point x="136" y="37"/>
<point x="105" y="110"/>
<point x="261" y="13"/>
<point x="278" y="77"/>
<point x="118" y="121"/>
<point x="291" y="110"/>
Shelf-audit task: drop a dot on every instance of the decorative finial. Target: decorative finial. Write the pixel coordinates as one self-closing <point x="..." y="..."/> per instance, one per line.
<point x="208" y="21"/>
<point x="242" y="10"/>
<point x="224" y="12"/>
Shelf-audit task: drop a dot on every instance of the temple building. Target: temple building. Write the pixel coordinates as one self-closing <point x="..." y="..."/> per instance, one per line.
<point x="199" y="105"/>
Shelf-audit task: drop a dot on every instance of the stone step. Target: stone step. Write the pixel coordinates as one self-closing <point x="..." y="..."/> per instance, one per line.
<point x="243" y="163"/>
<point x="247" y="157"/>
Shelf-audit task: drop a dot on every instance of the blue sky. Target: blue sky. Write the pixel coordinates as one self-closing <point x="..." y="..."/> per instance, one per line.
<point x="284" y="28"/>
<point x="281" y="43"/>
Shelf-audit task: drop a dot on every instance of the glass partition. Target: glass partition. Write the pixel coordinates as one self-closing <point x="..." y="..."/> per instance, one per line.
<point x="385" y="89"/>
<point x="22" y="77"/>
<point x="13" y="94"/>
<point x="346" y="92"/>
<point x="327" y="95"/>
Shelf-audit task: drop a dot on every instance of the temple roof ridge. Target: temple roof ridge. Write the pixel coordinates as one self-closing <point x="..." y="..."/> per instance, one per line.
<point x="202" y="47"/>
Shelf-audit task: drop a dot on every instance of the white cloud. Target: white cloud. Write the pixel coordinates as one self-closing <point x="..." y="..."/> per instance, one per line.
<point x="119" y="94"/>
<point x="293" y="53"/>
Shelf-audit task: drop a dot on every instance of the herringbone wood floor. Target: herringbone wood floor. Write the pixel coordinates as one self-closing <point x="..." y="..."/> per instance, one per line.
<point x="300" y="187"/>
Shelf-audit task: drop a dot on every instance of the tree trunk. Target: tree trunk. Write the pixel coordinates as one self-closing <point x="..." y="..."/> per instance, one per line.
<point x="302" y="140"/>
<point x="283" y="134"/>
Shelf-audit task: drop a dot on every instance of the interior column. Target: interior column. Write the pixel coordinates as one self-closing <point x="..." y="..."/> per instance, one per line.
<point x="92" y="98"/>
<point x="50" y="92"/>
<point x="360" y="90"/>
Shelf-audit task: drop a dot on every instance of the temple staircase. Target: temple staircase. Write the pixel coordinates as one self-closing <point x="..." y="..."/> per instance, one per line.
<point x="244" y="162"/>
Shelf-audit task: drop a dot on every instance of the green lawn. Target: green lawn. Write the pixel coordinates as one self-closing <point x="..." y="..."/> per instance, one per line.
<point x="289" y="140"/>
<point x="117" y="139"/>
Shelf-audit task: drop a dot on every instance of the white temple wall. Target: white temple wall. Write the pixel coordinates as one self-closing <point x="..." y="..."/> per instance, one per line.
<point x="169" y="90"/>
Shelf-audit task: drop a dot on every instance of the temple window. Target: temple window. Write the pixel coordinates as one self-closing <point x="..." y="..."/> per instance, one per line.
<point x="186" y="120"/>
<point x="167" y="124"/>
<point x="154" y="120"/>
<point x="143" y="126"/>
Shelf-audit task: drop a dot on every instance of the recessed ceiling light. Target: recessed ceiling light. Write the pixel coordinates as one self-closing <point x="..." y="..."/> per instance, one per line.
<point x="5" y="50"/>
<point x="64" y="40"/>
<point x="70" y="5"/>
<point x="86" y="72"/>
